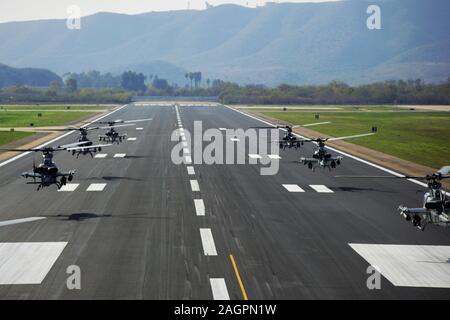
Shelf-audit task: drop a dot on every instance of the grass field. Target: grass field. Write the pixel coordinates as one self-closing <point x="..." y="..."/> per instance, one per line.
<point x="47" y="118"/>
<point x="7" y="136"/>
<point x="420" y="137"/>
<point x="50" y="115"/>
<point x="73" y="107"/>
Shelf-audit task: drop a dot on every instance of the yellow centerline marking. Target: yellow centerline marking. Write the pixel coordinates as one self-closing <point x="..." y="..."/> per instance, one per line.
<point x="238" y="276"/>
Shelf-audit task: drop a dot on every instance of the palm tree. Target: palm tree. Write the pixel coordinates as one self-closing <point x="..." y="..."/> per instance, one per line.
<point x="191" y="77"/>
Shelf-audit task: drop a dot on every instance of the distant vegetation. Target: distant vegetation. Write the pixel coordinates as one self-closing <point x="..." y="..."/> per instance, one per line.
<point x="132" y="83"/>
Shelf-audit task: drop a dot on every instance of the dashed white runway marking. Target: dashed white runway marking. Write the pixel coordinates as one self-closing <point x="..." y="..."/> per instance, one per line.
<point x="131" y="139"/>
<point x="194" y="185"/>
<point x="222" y="129"/>
<point x="100" y="156"/>
<point x="409" y="265"/>
<point x="321" y="188"/>
<point x="27" y="262"/>
<point x="274" y="156"/>
<point x="139" y="129"/>
<point x="69" y="187"/>
<point x="209" y="248"/>
<point x="190" y="170"/>
<point x="254" y="156"/>
<point x="234" y="139"/>
<point x="17" y="221"/>
<point x="293" y="188"/>
<point x="199" y="207"/>
<point x="120" y="155"/>
<point x="219" y="289"/>
<point x="96" y="187"/>
<point x="187" y="160"/>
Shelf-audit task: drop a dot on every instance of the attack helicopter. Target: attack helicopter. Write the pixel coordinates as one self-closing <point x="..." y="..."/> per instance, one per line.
<point x="47" y="172"/>
<point x="289" y="139"/>
<point x="435" y="206"/>
<point x="112" y="135"/>
<point x="322" y="157"/>
<point x="84" y="146"/>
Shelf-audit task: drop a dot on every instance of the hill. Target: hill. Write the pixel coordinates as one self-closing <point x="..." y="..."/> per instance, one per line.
<point x="10" y="76"/>
<point x="290" y="42"/>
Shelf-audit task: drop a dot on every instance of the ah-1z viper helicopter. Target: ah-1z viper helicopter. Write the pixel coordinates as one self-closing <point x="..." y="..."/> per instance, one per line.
<point x="47" y="172"/>
<point x="84" y="146"/>
<point x="435" y="209"/>
<point x="323" y="158"/>
<point x="289" y="139"/>
<point x="112" y="135"/>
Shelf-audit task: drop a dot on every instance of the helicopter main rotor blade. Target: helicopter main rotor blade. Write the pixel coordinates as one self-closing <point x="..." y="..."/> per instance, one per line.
<point x="88" y="147"/>
<point x="118" y="126"/>
<point x="351" y="137"/>
<point x="380" y="177"/>
<point x="139" y="120"/>
<point x="311" y="124"/>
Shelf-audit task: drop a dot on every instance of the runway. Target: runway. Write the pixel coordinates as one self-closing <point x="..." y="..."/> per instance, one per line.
<point x="141" y="227"/>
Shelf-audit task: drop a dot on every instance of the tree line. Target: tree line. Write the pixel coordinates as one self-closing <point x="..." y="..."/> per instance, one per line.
<point x="132" y="83"/>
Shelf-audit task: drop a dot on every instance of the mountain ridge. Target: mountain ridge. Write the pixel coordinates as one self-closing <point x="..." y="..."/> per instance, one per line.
<point x="296" y="43"/>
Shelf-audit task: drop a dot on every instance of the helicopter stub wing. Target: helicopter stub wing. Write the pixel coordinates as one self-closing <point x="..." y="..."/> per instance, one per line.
<point x="31" y="175"/>
<point x="66" y="173"/>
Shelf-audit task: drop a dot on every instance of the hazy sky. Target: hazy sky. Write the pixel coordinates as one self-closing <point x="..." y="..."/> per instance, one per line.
<point x="19" y="10"/>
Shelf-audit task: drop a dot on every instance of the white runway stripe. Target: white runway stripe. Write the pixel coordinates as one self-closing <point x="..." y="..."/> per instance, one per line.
<point x="139" y="129"/>
<point x="234" y="139"/>
<point x="222" y="129"/>
<point x="120" y="155"/>
<point x="209" y="248"/>
<point x="100" y="156"/>
<point x="131" y="139"/>
<point x="254" y="156"/>
<point x="69" y="187"/>
<point x="190" y="170"/>
<point x="194" y="185"/>
<point x="219" y="289"/>
<point x="187" y="160"/>
<point x="96" y="187"/>
<point x="186" y="150"/>
<point x="293" y="188"/>
<point x="27" y="262"/>
<point x="321" y="188"/>
<point x="199" y="207"/>
<point x="17" y="221"/>
<point x="409" y="265"/>
<point x="274" y="156"/>
<point x="184" y="143"/>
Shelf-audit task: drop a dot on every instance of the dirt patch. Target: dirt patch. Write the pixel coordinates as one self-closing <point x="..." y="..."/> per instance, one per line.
<point x="396" y="164"/>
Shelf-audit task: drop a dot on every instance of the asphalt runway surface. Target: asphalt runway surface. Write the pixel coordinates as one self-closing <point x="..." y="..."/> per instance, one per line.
<point x="152" y="229"/>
